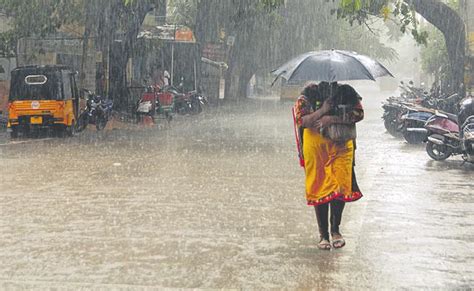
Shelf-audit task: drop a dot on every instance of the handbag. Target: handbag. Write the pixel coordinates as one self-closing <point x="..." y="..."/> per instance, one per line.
<point x="341" y="132"/>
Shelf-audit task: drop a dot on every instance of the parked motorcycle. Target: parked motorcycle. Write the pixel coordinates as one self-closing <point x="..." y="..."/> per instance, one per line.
<point x="449" y="103"/>
<point x="148" y="103"/>
<point x="449" y="135"/>
<point x="391" y="116"/>
<point x="413" y="123"/>
<point x="466" y="120"/>
<point x="188" y="103"/>
<point x="193" y="103"/>
<point x="98" y="111"/>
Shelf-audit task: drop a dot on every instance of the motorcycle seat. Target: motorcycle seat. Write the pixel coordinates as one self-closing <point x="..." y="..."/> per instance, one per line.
<point x="452" y="117"/>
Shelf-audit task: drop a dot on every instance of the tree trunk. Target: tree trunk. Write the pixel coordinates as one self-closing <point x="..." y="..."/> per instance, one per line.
<point x="231" y="79"/>
<point x="201" y="27"/>
<point x="244" y="79"/>
<point x="88" y="28"/>
<point x="121" y="52"/>
<point x="453" y="28"/>
<point x="118" y="76"/>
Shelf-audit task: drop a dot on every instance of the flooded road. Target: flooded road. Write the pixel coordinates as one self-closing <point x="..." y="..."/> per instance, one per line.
<point x="217" y="201"/>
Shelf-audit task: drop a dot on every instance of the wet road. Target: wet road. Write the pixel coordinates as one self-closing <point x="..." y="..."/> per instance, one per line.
<point x="217" y="201"/>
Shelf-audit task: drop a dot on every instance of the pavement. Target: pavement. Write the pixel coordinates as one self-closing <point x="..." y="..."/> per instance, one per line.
<point x="217" y="201"/>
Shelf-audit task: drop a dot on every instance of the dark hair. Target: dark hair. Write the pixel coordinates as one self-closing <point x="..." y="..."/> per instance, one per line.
<point x="311" y="91"/>
<point x="327" y="90"/>
<point x="348" y="94"/>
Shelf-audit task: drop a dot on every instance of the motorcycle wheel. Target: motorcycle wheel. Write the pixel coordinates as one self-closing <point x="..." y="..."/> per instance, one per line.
<point x="413" y="137"/>
<point x="438" y="152"/>
<point x="101" y="122"/>
<point x="196" y="108"/>
<point x="181" y="109"/>
<point x="392" y="128"/>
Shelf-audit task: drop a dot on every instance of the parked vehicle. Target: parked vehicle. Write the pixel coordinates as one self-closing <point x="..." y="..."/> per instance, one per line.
<point x="166" y="102"/>
<point x="43" y="97"/>
<point x="413" y="123"/>
<point x="189" y="103"/>
<point x="148" y="103"/>
<point x="198" y="101"/>
<point x="466" y="121"/>
<point x="98" y="111"/>
<point x="450" y="135"/>
<point x="449" y="103"/>
<point x="393" y="110"/>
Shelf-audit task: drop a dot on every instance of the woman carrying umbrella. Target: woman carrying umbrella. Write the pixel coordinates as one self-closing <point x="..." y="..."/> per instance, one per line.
<point x="330" y="179"/>
<point x="328" y="158"/>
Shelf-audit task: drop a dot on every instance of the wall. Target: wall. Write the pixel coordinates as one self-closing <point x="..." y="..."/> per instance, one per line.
<point x="58" y="51"/>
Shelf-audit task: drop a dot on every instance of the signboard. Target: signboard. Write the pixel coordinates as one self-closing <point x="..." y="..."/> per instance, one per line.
<point x="214" y="51"/>
<point x="184" y="34"/>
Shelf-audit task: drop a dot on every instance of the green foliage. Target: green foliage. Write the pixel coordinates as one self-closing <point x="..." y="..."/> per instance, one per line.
<point x="40" y="17"/>
<point x="434" y="56"/>
<point x="7" y="44"/>
<point x="359" y="11"/>
<point x="35" y="18"/>
<point x="182" y="12"/>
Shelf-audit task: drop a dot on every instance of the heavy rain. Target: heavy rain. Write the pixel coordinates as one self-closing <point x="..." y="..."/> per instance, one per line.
<point x="236" y="144"/>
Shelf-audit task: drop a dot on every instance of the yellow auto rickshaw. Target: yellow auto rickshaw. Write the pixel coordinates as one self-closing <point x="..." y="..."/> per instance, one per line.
<point x="43" y="97"/>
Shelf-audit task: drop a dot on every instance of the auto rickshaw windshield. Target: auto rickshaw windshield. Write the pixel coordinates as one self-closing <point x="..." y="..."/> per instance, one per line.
<point x="44" y="86"/>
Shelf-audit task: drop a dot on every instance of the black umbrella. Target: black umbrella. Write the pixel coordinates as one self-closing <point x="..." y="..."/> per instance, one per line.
<point x="331" y="66"/>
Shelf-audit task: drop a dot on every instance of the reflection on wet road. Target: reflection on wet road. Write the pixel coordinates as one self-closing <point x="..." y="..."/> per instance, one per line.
<point x="217" y="202"/>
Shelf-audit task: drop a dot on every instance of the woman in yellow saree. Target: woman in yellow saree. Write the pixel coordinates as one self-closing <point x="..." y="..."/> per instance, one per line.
<point x="329" y="166"/>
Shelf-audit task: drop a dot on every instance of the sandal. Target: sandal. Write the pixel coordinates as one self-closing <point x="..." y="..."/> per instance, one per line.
<point x="338" y="241"/>
<point x="324" y="244"/>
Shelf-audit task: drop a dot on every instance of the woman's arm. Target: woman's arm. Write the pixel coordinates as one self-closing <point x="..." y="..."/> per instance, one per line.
<point x="356" y="115"/>
<point x="311" y="120"/>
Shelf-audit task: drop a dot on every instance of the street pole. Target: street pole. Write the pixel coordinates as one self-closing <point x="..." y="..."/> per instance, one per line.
<point x="172" y="63"/>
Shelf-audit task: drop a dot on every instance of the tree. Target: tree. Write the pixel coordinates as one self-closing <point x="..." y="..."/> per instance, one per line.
<point x="438" y="13"/>
<point x="434" y="57"/>
<point x="267" y="34"/>
<point x="119" y="25"/>
<point x="35" y="18"/>
<point x="114" y="23"/>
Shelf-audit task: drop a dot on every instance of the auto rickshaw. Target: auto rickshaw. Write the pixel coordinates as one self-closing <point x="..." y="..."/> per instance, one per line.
<point x="43" y="97"/>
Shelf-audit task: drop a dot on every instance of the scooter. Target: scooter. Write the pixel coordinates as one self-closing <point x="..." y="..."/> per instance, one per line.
<point x="413" y="124"/>
<point x="447" y="138"/>
<point x="393" y="110"/>
<point x="149" y="103"/>
<point x="466" y="120"/>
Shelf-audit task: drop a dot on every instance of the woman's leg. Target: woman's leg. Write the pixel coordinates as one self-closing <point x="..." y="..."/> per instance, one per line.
<point x="337" y="207"/>
<point x="322" y="217"/>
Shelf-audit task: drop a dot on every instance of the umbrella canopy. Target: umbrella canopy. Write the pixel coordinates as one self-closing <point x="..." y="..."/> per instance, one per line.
<point x="331" y="66"/>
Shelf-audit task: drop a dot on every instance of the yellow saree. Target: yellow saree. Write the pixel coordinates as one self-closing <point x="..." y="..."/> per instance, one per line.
<point x="329" y="169"/>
